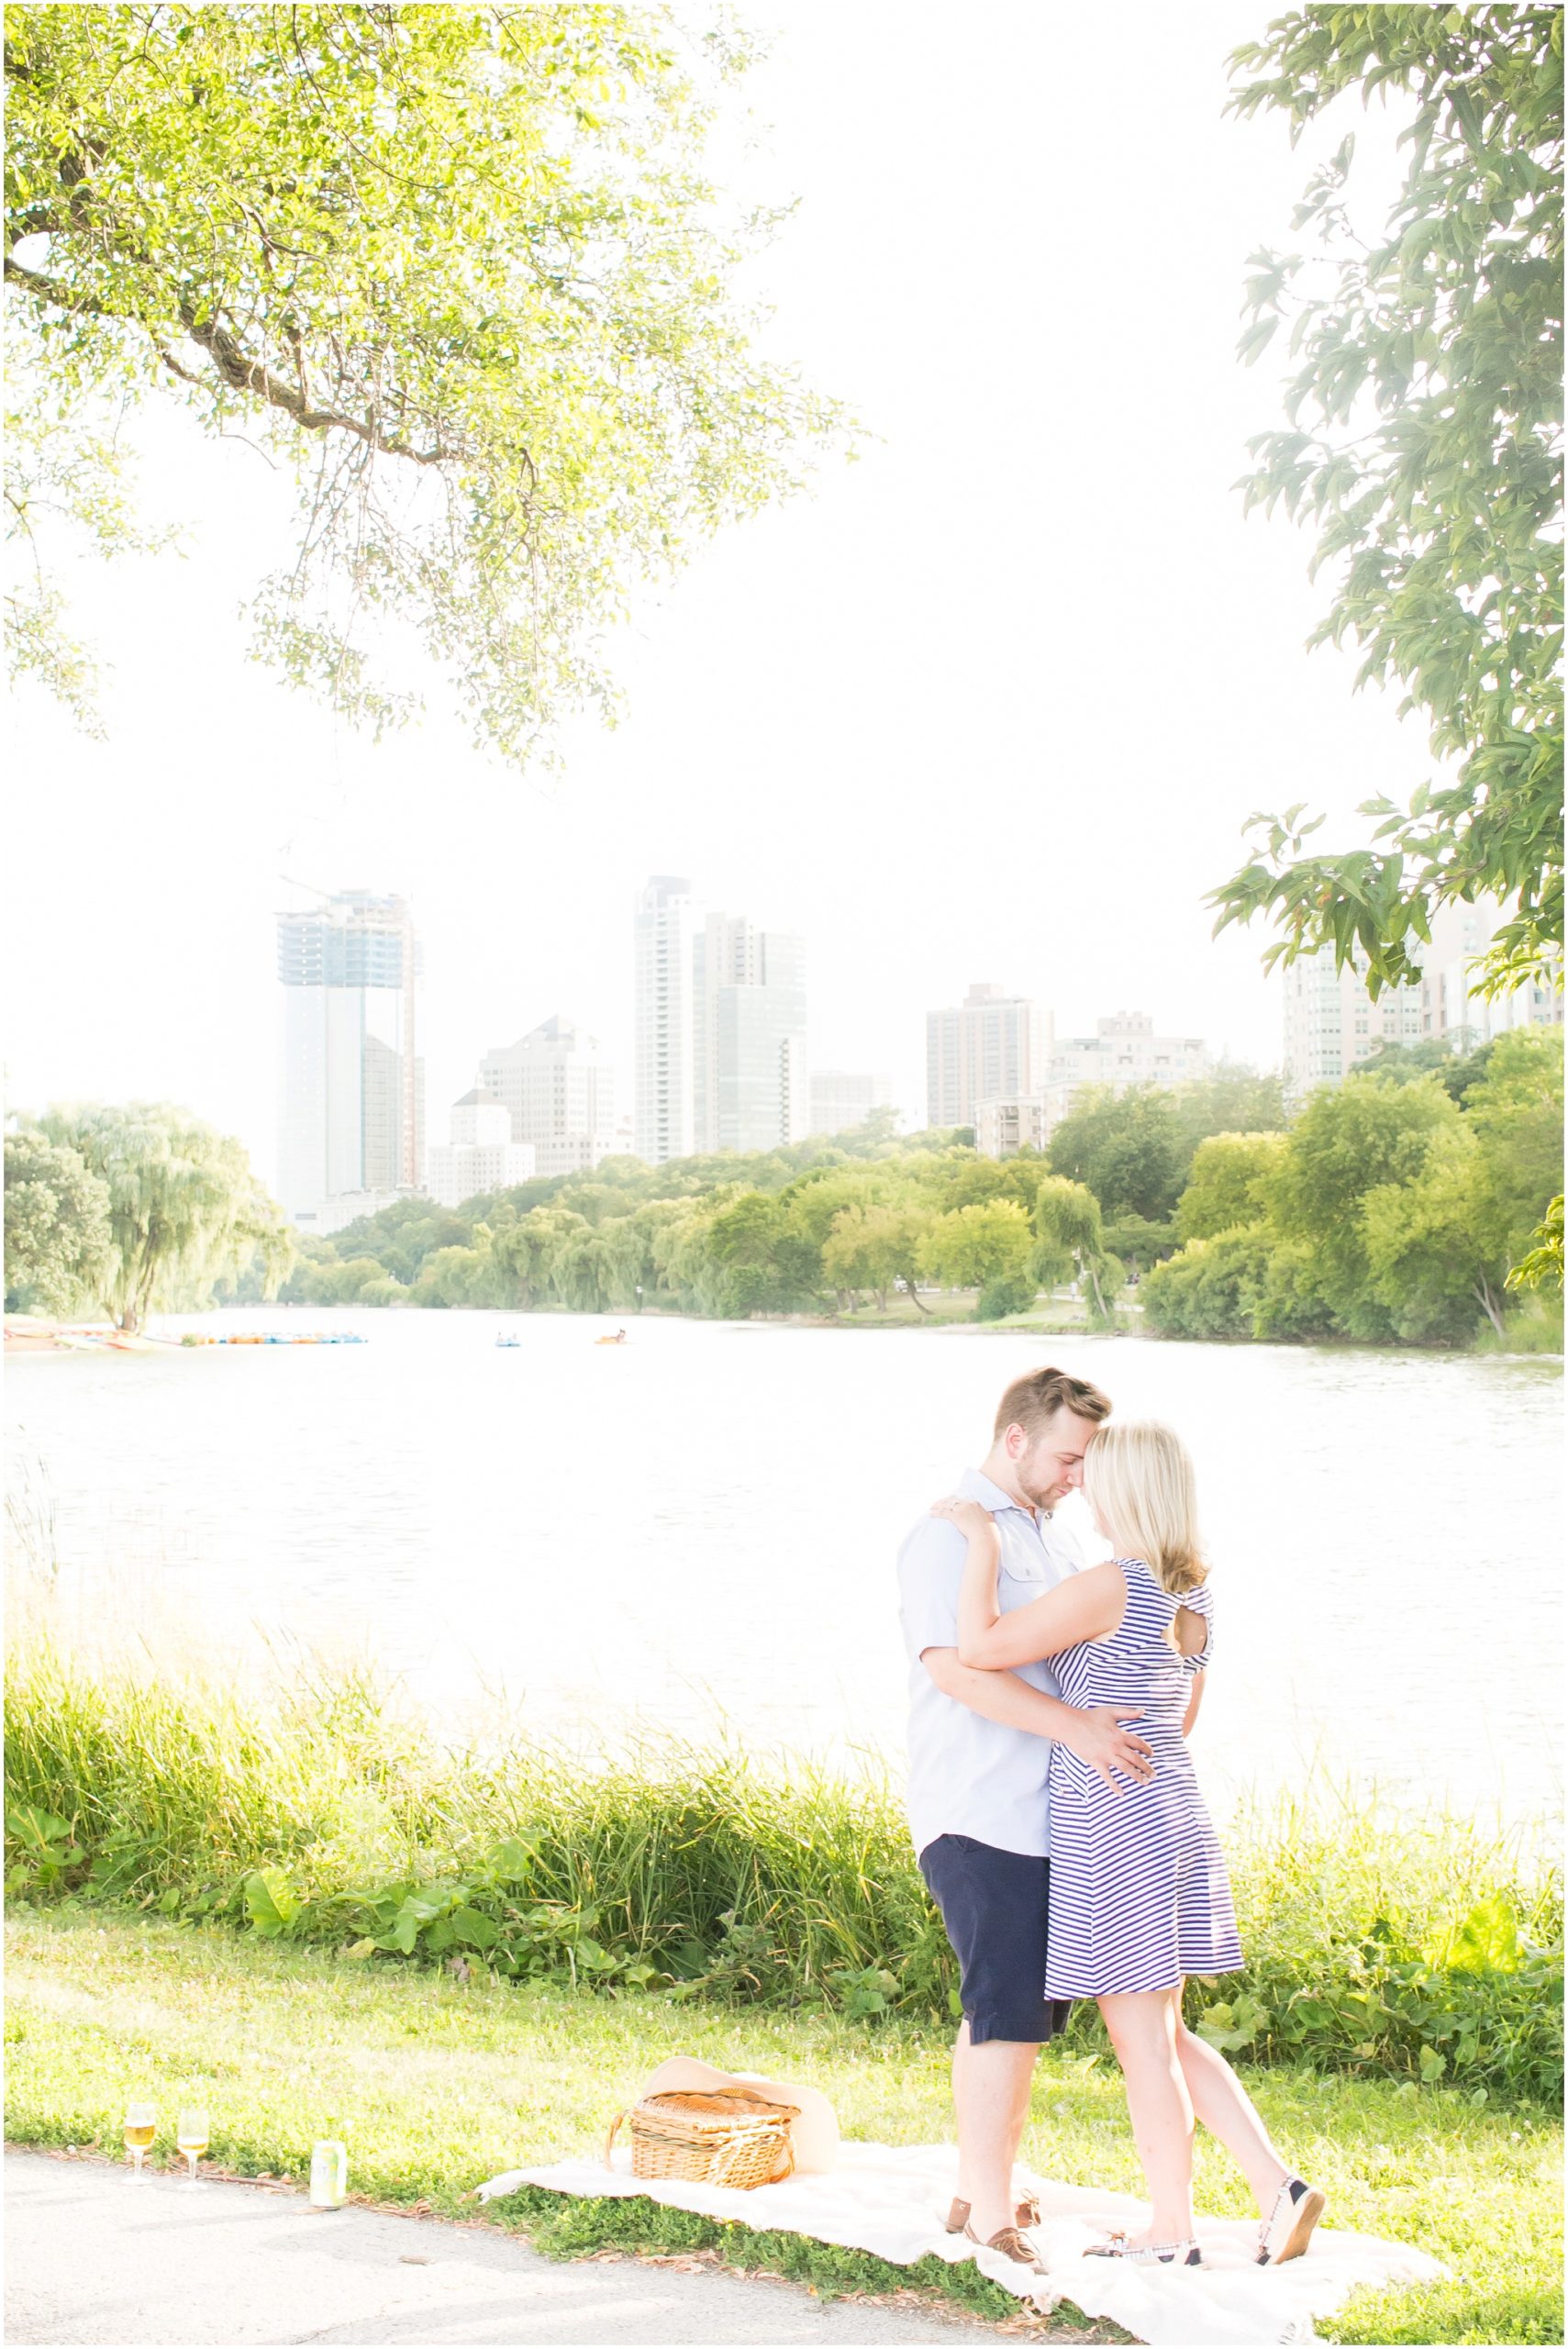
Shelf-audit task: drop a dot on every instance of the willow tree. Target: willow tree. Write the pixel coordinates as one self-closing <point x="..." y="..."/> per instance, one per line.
<point x="184" y="1206"/>
<point x="1070" y="1242"/>
<point x="1423" y="447"/>
<point x="57" y="1224"/>
<point x="460" y="269"/>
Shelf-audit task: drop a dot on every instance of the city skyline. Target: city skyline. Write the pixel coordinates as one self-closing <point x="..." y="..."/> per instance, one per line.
<point x="721" y="1003"/>
<point x="723" y="1062"/>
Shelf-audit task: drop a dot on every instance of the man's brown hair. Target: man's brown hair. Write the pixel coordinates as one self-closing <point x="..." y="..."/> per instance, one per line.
<point x="1032" y="1400"/>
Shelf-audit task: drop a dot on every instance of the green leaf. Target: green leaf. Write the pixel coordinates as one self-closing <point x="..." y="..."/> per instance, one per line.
<point x="270" y="1901"/>
<point x="474" y="1930"/>
<point x="1487" y="1941"/>
<point x="510" y="1862"/>
<point x="37" y="1829"/>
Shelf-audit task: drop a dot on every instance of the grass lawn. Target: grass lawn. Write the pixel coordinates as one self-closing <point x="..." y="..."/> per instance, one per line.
<point x="436" y="2083"/>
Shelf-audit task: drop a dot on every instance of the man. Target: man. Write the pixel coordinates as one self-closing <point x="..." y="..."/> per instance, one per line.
<point x="979" y="1772"/>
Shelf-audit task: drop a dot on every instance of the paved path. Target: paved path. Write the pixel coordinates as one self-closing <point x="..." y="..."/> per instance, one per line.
<point x="89" y="2259"/>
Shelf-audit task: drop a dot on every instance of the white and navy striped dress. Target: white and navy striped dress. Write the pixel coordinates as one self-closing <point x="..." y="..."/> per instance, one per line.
<point x="1139" y="1892"/>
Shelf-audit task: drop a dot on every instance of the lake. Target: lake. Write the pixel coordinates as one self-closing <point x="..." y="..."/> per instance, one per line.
<point x="703" y="1524"/>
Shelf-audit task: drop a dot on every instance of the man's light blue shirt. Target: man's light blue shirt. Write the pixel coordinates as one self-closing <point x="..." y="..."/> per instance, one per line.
<point x="969" y="1775"/>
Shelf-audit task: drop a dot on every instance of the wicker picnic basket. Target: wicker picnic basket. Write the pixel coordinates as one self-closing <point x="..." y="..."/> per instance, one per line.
<point x="711" y="2137"/>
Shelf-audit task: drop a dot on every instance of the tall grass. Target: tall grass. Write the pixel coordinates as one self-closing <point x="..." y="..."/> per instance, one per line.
<point x="319" y="1808"/>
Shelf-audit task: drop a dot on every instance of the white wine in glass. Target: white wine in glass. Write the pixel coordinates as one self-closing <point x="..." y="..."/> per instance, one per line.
<point x="191" y="2136"/>
<point x="140" y="2128"/>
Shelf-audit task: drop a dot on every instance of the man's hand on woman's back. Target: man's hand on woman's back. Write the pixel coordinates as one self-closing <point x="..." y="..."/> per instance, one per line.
<point x="1099" y="1738"/>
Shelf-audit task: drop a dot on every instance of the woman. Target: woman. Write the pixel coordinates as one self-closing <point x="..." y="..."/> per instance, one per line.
<point x="1139" y="1893"/>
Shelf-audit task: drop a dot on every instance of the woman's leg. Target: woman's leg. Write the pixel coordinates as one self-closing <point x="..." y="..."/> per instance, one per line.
<point x="1227" y="2112"/>
<point x="1143" y="2026"/>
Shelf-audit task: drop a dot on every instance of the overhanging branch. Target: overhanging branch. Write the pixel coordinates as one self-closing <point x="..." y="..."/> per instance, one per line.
<point x="234" y="364"/>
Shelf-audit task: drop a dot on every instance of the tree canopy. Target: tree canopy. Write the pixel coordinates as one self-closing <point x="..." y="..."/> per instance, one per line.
<point x="1424" y="446"/>
<point x="57" y="1225"/>
<point x="1391" y="1209"/>
<point x="461" y="269"/>
<point x="181" y="1203"/>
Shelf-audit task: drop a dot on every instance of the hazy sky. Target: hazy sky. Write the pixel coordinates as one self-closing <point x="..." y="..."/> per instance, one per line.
<point x="992" y="704"/>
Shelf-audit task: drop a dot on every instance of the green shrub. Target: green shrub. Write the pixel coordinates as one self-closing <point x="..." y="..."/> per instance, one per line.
<point x="1211" y="1288"/>
<point x="1005" y="1293"/>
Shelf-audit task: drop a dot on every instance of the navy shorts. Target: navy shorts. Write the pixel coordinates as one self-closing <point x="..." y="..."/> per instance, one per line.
<point x="994" y="1905"/>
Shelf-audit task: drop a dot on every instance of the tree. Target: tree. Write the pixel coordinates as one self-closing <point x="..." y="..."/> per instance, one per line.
<point x="341" y="1283"/>
<point x="1229" y="1185"/>
<point x="1349" y="1140"/>
<point x="1067" y="1226"/>
<point x="182" y="1202"/>
<point x="57" y="1225"/>
<point x="462" y="270"/>
<point x="1424" y="445"/>
<point x="768" y="1264"/>
<point x="1211" y="1288"/>
<point x="1231" y="1099"/>
<point x="1139" y="1243"/>
<point x="527" y="1254"/>
<point x="1128" y="1148"/>
<point x="1516" y="1112"/>
<point x="1437" y="1248"/>
<point x="987" y="1240"/>
<point x="456" y="1276"/>
<point x="875" y="1245"/>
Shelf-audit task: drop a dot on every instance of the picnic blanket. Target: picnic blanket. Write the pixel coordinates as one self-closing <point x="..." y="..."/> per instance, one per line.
<point x="892" y="2200"/>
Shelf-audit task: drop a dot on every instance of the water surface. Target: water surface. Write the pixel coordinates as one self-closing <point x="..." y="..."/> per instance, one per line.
<point x="704" y="1523"/>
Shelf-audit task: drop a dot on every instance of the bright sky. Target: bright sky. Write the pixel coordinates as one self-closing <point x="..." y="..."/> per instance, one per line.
<point x="992" y="704"/>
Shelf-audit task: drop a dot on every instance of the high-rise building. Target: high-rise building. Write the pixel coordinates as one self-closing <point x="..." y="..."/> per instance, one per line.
<point x="1004" y="1128"/>
<point x="559" y="1092"/>
<point x="479" y="1153"/>
<point x="350" y="1112"/>
<point x="991" y="1047"/>
<point x="664" y="924"/>
<point x="842" y="1098"/>
<point x="748" y="1083"/>
<point x="1124" y="1051"/>
<point x="1332" y="1022"/>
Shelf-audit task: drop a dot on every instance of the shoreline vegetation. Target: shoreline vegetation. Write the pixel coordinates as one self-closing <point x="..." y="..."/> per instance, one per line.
<point x="1532" y="1331"/>
<point x="316" y="1809"/>
<point x="293" y="1901"/>
<point x="1409" y="1206"/>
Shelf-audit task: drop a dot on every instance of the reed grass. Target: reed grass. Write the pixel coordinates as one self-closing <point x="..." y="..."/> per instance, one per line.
<point x="319" y="1808"/>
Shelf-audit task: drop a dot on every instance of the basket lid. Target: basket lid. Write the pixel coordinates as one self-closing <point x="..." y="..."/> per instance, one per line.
<point x="716" y="2105"/>
<point x="813" y="2132"/>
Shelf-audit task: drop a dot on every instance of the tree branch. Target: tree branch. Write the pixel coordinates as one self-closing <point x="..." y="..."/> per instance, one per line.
<point x="239" y="369"/>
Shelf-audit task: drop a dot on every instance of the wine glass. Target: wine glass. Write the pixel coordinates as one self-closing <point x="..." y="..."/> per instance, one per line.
<point x="140" y="2128"/>
<point x="190" y="2137"/>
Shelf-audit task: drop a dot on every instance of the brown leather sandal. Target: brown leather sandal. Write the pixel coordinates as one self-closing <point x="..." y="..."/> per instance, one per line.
<point x="1026" y="2215"/>
<point x="1012" y="2246"/>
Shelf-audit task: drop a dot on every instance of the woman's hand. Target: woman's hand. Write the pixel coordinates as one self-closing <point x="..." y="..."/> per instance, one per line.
<point x="969" y="1517"/>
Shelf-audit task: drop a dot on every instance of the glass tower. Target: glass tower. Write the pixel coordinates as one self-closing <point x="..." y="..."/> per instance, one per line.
<point x="350" y="1112"/>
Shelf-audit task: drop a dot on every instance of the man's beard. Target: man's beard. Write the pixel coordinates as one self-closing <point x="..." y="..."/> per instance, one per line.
<point x="1046" y="1497"/>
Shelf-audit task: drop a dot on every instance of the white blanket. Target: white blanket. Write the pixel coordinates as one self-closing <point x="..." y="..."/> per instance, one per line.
<point x="892" y="2200"/>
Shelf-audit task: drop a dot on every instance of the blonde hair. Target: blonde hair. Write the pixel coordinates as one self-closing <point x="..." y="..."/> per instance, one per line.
<point x="1138" y="1476"/>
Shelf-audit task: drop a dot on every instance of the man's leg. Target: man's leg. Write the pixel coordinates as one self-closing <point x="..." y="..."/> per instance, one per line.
<point x="991" y="2086"/>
